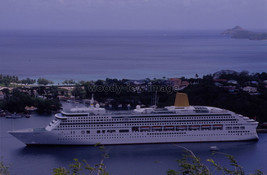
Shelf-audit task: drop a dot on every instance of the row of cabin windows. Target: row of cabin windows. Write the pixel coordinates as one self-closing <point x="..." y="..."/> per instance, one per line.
<point x="186" y="129"/>
<point x="79" y="119"/>
<point x="134" y="129"/>
<point x="188" y="122"/>
<point x="236" y="128"/>
<point x="152" y="135"/>
<point x="109" y="131"/>
<point x="103" y="131"/>
<point x="151" y="124"/>
<point x="152" y="119"/>
<point x="162" y="133"/>
<point x="238" y="131"/>
<point x="174" y="118"/>
<point x="82" y="118"/>
<point x="137" y="129"/>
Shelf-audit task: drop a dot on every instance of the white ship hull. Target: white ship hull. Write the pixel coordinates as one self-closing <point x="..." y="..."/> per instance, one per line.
<point x="94" y="125"/>
<point x="31" y="137"/>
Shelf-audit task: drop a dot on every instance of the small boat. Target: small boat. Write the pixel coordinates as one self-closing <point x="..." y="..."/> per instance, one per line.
<point x="27" y="115"/>
<point x="214" y="148"/>
<point x="14" y="116"/>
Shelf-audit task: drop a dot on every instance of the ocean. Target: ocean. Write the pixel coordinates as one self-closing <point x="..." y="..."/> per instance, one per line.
<point x="92" y="55"/>
<point x="146" y="159"/>
<point x="123" y="54"/>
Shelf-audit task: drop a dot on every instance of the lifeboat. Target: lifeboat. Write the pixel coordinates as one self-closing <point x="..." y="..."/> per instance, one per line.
<point x="217" y="126"/>
<point x="156" y="128"/>
<point x="182" y="127"/>
<point x="144" y="128"/>
<point x="168" y="128"/>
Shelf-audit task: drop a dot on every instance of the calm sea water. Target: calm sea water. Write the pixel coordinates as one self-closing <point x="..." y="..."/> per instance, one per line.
<point x="97" y="55"/>
<point x="146" y="159"/>
<point x="132" y="54"/>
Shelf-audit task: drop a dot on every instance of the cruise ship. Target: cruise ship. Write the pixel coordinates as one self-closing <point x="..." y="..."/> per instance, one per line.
<point x="178" y="123"/>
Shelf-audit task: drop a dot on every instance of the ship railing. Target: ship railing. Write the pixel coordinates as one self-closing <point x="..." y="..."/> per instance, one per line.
<point x="219" y="111"/>
<point x="119" y="113"/>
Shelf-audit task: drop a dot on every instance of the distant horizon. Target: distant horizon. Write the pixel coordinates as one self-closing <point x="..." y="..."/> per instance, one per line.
<point x="58" y="81"/>
<point x="130" y="30"/>
<point x="132" y="14"/>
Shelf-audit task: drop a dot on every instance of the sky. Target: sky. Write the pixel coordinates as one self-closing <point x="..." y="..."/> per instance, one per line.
<point x="132" y="14"/>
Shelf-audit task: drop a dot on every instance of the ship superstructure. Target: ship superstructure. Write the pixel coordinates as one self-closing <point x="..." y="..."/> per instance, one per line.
<point x="178" y="123"/>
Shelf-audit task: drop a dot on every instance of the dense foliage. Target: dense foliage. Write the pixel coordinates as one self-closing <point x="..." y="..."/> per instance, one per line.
<point x="206" y="93"/>
<point x="124" y="94"/>
<point x="16" y="101"/>
<point x="200" y="92"/>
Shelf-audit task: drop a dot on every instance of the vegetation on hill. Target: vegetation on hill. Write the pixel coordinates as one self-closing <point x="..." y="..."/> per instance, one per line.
<point x="224" y="89"/>
<point x="17" y="100"/>
<point x="206" y="93"/>
<point x="201" y="91"/>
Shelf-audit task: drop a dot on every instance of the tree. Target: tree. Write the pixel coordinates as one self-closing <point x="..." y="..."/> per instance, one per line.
<point x="17" y="101"/>
<point x="28" y="81"/>
<point x="43" y="81"/>
<point x="68" y="82"/>
<point x="78" y="91"/>
<point x="78" y="167"/>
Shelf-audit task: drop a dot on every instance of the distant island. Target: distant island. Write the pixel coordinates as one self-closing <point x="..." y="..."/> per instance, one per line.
<point x="240" y="33"/>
